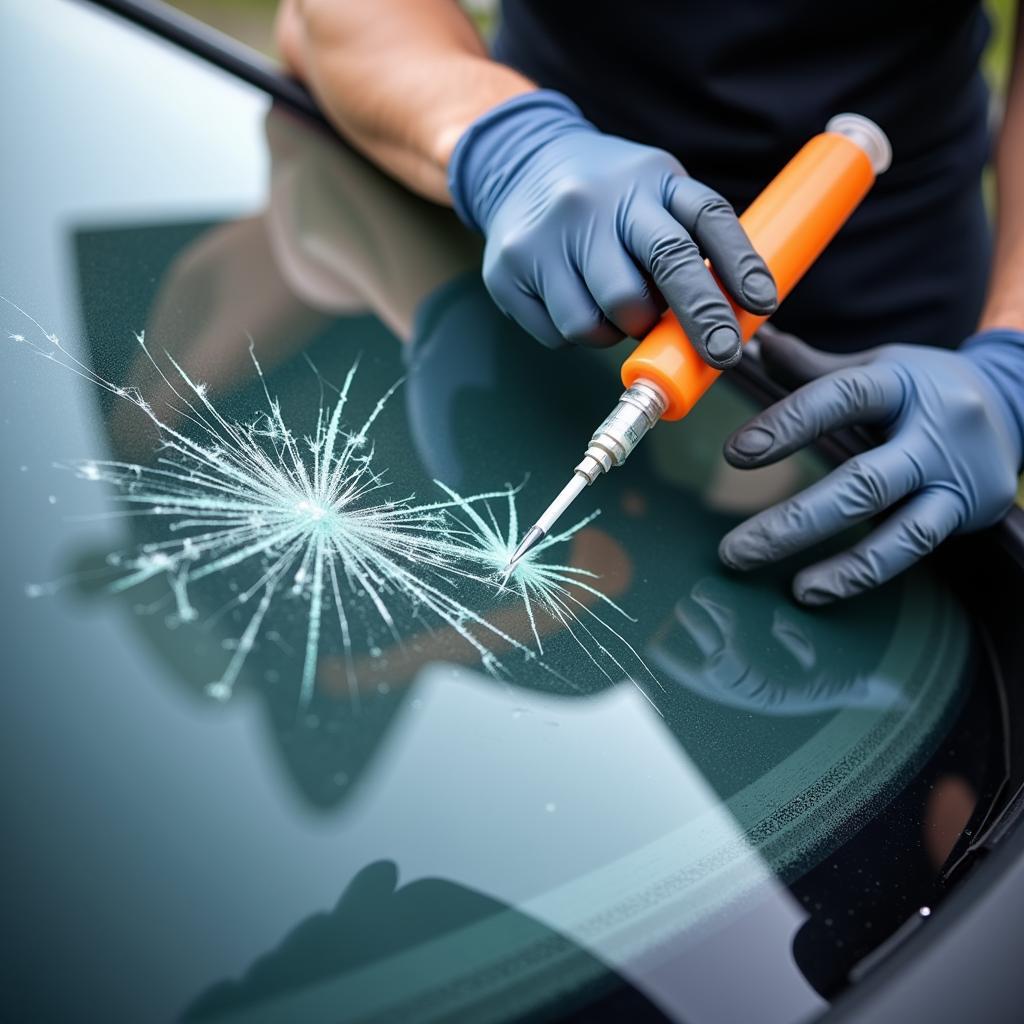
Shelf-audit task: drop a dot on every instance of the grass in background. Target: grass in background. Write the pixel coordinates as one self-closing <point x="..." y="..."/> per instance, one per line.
<point x="249" y="21"/>
<point x="252" y="21"/>
<point x="1000" y="49"/>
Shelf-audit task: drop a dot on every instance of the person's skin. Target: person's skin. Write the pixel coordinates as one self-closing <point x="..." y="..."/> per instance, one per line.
<point x="403" y="79"/>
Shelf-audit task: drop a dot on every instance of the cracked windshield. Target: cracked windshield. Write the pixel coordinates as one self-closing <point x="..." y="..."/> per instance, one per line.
<point x="268" y="449"/>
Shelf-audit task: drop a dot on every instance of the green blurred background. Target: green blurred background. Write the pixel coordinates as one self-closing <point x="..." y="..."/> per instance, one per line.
<point x="252" y="21"/>
<point x="997" y="60"/>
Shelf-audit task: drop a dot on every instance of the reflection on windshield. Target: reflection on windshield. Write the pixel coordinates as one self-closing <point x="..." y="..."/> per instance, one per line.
<point x="778" y="661"/>
<point x="447" y="931"/>
<point x="377" y="919"/>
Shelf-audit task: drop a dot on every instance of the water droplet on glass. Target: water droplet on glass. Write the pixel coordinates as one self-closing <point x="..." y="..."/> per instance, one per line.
<point x="218" y="691"/>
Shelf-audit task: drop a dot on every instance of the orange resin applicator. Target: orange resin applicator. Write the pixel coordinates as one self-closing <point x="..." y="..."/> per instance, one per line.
<point x="789" y="224"/>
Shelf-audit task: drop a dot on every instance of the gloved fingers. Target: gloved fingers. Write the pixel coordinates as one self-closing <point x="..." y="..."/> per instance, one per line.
<point x="664" y="248"/>
<point x="857" y="394"/>
<point x="909" y="534"/>
<point x="713" y="224"/>
<point x="793" y="362"/>
<point x="525" y="309"/>
<point x="624" y="294"/>
<point x="575" y="313"/>
<point x="860" y="488"/>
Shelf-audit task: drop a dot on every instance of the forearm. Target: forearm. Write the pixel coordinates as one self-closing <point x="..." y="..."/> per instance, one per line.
<point x="401" y="79"/>
<point x="1005" y="304"/>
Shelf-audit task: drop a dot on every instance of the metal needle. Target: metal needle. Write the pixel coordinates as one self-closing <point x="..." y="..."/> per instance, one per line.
<point x="552" y="513"/>
<point x="639" y="408"/>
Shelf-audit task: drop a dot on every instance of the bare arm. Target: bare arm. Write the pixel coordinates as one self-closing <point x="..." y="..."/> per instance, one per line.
<point x="401" y="79"/>
<point x="1005" y="305"/>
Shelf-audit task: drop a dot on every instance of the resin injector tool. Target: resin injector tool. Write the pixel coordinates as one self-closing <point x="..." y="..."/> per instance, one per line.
<point x="789" y="224"/>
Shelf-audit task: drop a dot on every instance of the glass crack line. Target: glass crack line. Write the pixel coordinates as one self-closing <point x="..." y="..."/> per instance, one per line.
<point x="311" y="519"/>
<point x="548" y="586"/>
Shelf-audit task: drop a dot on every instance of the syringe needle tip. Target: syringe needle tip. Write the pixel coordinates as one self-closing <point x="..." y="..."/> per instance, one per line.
<point x="542" y="527"/>
<point x="533" y="535"/>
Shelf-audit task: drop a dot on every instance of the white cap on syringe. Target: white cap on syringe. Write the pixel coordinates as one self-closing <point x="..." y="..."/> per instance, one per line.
<point x="867" y="135"/>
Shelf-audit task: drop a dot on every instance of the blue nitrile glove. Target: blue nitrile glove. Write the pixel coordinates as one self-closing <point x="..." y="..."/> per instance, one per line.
<point x="954" y="423"/>
<point x="590" y="236"/>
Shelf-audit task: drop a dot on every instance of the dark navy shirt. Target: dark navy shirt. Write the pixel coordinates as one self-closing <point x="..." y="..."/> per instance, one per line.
<point x="733" y="88"/>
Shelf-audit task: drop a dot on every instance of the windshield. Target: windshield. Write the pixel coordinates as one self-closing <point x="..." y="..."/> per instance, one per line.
<point x="281" y="741"/>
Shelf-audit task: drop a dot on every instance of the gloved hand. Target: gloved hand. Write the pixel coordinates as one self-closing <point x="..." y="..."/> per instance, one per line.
<point x="954" y="423"/>
<point x="590" y="236"/>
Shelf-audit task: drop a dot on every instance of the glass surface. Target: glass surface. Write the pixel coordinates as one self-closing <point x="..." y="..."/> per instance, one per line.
<point x="440" y="800"/>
